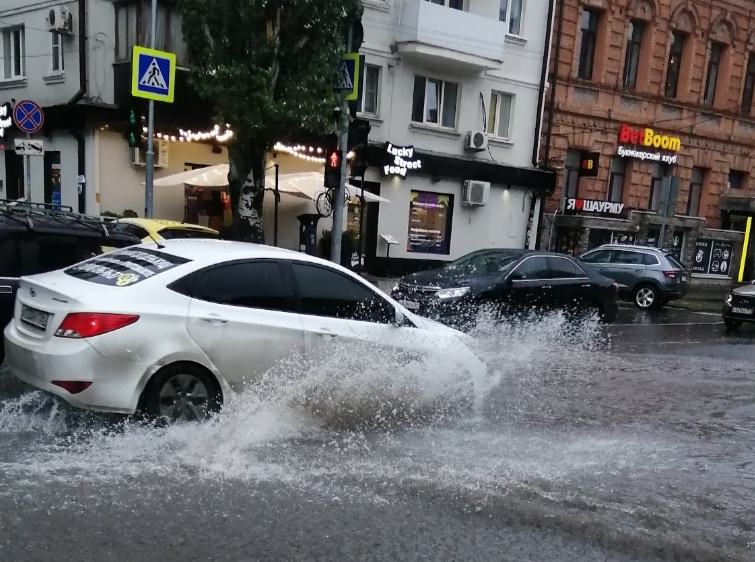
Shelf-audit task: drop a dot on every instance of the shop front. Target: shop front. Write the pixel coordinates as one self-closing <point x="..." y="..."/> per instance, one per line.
<point x="620" y="196"/>
<point x="443" y="207"/>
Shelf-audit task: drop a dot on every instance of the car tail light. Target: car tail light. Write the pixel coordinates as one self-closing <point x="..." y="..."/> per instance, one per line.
<point x="73" y="387"/>
<point x="89" y="324"/>
<point x="671" y="274"/>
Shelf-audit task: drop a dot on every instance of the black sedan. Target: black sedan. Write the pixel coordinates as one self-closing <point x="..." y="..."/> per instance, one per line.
<point x="739" y="307"/>
<point x="512" y="281"/>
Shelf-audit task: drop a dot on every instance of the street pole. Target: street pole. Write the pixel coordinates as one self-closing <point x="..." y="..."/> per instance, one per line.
<point x="277" y="200"/>
<point x="150" y="129"/>
<point x="338" y="198"/>
<point x="361" y="228"/>
<point x="27" y="191"/>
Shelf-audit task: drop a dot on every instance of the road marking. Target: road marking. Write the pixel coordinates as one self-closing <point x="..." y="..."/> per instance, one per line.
<point x="671" y="324"/>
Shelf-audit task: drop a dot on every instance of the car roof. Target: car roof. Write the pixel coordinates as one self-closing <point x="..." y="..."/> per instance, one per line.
<point x="210" y="250"/>
<point x="155" y="225"/>
<point x="63" y="224"/>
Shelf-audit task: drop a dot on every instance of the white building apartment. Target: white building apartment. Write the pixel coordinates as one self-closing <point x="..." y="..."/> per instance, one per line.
<point x="72" y="58"/>
<point x="452" y="89"/>
<point x="453" y="93"/>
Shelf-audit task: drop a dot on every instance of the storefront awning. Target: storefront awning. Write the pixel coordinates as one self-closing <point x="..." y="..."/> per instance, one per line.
<point x="305" y="185"/>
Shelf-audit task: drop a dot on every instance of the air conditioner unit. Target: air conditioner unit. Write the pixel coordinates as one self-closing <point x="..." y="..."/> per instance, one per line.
<point x="60" y="20"/>
<point x="159" y="147"/>
<point x="477" y="140"/>
<point x="475" y="192"/>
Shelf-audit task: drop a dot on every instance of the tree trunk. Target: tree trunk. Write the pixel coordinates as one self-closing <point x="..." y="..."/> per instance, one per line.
<point x="246" y="181"/>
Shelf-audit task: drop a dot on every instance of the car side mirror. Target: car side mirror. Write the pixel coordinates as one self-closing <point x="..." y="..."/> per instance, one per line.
<point x="515" y="276"/>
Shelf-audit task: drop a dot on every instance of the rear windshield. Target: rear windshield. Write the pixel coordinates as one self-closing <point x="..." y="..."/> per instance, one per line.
<point x="125" y="267"/>
<point x="674" y="261"/>
<point x="183" y="233"/>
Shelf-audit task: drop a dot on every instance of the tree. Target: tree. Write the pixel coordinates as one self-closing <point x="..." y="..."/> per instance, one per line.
<point x="267" y="69"/>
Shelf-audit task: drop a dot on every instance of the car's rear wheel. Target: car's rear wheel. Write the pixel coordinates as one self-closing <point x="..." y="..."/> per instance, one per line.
<point x="182" y="392"/>
<point x="646" y="297"/>
<point x="732" y="324"/>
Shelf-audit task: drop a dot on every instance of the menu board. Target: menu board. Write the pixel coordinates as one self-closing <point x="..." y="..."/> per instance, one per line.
<point x="430" y="217"/>
<point x="712" y="257"/>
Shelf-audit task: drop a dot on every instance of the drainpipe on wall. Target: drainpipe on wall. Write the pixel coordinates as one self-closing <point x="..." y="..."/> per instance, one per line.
<point x="78" y="131"/>
<point x="553" y="85"/>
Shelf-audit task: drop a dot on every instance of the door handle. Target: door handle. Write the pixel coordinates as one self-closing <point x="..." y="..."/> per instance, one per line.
<point x="587" y="286"/>
<point x="324" y="333"/>
<point x="546" y="287"/>
<point x="6" y="289"/>
<point x="214" y="320"/>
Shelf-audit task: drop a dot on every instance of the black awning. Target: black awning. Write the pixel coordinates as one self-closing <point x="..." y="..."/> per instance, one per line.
<point x="538" y="180"/>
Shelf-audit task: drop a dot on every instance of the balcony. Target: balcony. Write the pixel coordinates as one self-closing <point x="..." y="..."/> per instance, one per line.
<point x="438" y="35"/>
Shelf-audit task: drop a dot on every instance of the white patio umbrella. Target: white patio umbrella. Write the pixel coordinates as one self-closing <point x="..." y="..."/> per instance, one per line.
<point x="212" y="176"/>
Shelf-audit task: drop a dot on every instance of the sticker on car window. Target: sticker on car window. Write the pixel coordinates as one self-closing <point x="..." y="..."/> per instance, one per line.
<point x="124" y="268"/>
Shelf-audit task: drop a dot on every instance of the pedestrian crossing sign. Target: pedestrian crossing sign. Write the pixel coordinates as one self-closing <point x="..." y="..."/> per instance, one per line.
<point x="347" y="76"/>
<point x="153" y="74"/>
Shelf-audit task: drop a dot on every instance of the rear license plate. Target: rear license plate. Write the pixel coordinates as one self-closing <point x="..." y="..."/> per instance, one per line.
<point x="741" y="310"/>
<point x="410" y="305"/>
<point x="34" y="317"/>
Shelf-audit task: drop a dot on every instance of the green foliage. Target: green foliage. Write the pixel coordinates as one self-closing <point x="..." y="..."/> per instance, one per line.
<point x="267" y="66"/>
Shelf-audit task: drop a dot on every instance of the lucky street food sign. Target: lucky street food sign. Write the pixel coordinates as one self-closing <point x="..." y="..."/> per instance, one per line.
<point x="593" y="206"/>
<point x="645" y="144"/>
<point x="400" y="160"/>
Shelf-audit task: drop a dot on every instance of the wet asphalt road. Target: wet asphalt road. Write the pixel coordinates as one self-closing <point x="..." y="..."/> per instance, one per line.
<point x="631" y="442"/>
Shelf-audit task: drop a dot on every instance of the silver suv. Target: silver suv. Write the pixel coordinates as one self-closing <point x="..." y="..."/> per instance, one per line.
<point x="649" y="276"/>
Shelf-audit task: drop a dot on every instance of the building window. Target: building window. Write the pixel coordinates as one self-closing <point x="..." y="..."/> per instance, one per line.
<point x="674" y="63"/>
<point x="430" y="218"/>
<point x="455" y="4"/>
<point x="737" y="179"/>
<point x="571" y="174"/>
<point x="499" y="120"/>
<point x="57" y="53"/>
<point x="632" y="59"/>
<point x="587" y="48"/>
<point x="434" y="102"/>
<point x="749" y="86"/>
<point x="511" y="11"/>
<point x="711" y="80"/>
<point x="13" y="53"/>
<point x="660" y="171"/>
<point x="371" y="90"/>
<point x="695" y="192"/>
<point x="133" y="27"/>
<point x="616" y="179"/>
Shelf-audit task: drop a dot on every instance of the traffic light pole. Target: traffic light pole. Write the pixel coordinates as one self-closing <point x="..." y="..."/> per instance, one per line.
<point x="150" y="160"/>
<point x="340" y="194"/>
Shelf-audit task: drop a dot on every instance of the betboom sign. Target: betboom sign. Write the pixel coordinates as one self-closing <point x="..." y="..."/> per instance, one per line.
<point x="645" y="144"/>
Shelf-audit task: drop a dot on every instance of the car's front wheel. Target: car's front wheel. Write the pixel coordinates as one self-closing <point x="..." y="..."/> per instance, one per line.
<point x="646" y="297"/>
<point x="182" y="392"/>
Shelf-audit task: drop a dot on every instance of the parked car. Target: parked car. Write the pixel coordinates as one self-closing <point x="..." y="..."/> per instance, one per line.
<point x="36" y="238"/>
<point x="157" y="230"/>
<point x="168" y="329"/>
<point x="651" y="277"/>
<point x="510" y="281"/>
<point x="739" y="307"/>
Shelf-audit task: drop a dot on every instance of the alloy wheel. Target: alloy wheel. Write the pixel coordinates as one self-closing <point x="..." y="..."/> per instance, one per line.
<point x="184" y="397"/>
<point x="645" y="297"/>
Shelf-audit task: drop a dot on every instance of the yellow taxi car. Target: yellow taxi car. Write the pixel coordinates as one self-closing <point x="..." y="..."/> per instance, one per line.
<point x="157" y="230"/>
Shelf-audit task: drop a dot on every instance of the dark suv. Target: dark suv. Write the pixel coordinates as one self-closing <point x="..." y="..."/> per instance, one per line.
<point x="37" y="238"/>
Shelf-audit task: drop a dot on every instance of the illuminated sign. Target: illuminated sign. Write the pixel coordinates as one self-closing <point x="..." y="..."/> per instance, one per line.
<point x="593" y="206"/>
<point x="654" y="144"/>
<point x="400" y="160"/>
<point x="588" y="164"/>
<point x="6" y="119"/>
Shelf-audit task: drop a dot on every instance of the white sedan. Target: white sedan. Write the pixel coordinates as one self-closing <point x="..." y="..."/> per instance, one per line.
<point x="172" y="329"/>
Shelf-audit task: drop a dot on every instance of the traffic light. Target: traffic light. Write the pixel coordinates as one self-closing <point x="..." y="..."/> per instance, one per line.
<point x="134" y="130"/>
<point x="359" y="133"/>
<point x="333" y="168"/>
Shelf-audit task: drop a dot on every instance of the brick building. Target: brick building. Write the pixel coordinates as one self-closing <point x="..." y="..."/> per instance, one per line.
<point x="647" y="90"/>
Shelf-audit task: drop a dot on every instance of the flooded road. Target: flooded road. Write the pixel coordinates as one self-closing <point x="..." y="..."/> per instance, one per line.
<point x="631" y="442"/>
